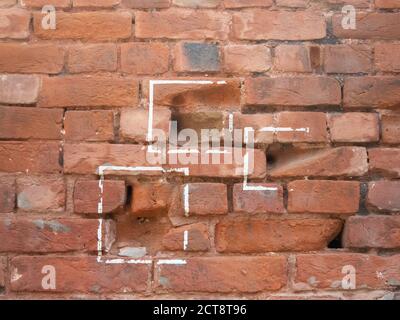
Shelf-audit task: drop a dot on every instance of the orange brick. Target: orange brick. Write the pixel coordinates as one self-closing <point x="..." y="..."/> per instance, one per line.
<point x="92" y="58"/>
<point x="247" y="58"/>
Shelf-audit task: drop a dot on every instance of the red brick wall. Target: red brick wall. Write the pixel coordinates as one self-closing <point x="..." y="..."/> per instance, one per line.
<point x="76" y="98"/>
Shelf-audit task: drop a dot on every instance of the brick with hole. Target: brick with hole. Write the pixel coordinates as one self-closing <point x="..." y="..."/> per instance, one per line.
<point x="383" y="196"/>
<point x="347" y="58"/>
<point x="244" y="235"/>
<point x="247" y="58"/>
<point x="234" y="4"/>
<point x="297" y="58"/>
<point x="330" y="162"/>
<point x="30" y="123"/>
<point x="80" y="274"/>
<point x="89" y="126"/>
<point x="385" y="161"/>
<point x="88" y="196"/>
<point x="198" y="238"/>
<point x="7" y="194"/>
<point x="92" y="58"/>
<point x="372" y="232"/>
<point x="354" y="127"/>
<point x="258" y="201"/>
<point x="151" y="199"/>
<point x="387" y="57"/>
<point x="30" y="157"/>
<point x="326" y="271"/>
<point x="323" y="196"/>
<point x="41" y="194"/>
<point x="146" y="4"/>
<point x="390" y="128"/>
<point x="257" y="122"/>
<point x="196" y="57"/>
<point x="51" y="235"/>
<point x="223" y="275"/>
<point x="15" y="24"/>
<point x="144" y="58"/>
<point x="19" y="89"/>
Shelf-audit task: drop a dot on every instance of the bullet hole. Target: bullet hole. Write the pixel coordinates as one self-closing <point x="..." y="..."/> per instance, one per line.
<point x="271" y="159"/>
<point x="337" y="242"/>
<point x="129" y="195"/>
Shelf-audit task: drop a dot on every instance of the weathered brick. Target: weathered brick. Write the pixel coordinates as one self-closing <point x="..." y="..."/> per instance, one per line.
<point x="347" y="58"/>
<point x="197" y="57"/>
<point x="246" y="235"/>
<point x="92" y="58"/>
<point x="223" y="275"/>
<point x="27" y="58"/>
<point x="88" y="91"/>
<point x="91" y="26"/>
<point x="50" y="235"/>
<point x="295" y="91"/>
<point x="198" y="238"/>
<point x="354" y="127"/>
<point x="318" y="196"/>
<point x="182" y="24"/>
<point x="257" y="122"/>
<point x="207" y="198"/>
<point x="355" y="3"/>
<point x="30" y="157"/>
<point x="372" y="232"/>
<point x="146" y="4"/>
<point x="387" y="4"/>
<point x="293" y="3"/>
<point x="41" y="3"/>
<point x="387" y="57"/>
<point x="371" y="25"/>
<point x="196" y="3"/>
<point x="247" y="58"/>
<point x="15" y="24"/>
<point x="372" y="92"/>
<point x="385" y="161"/>
<point x="144" y="58"/>
<point x="78" y="275"/>
<point x="7" y="194"/>
<point x="41" y="194"/>
<point x="3" y="271"/>
<point x="88" y="195"/>
<point x="89" y="126"/>
<point x="19" y="89"/>
<point x="7" y="3"/>
<point x="383" y="196"/>
<point x="199" y="120"/>
<point x="331" y="162"/>
<point x="258" y="201"/>
<point x="95" y="3"/>
<point x="297" y="58"/>
<point x="278" y="25"/>
<point x="30" y="123"/>
<point x="231" y="4"/>
<point x="390" y="128"/>
<point x="325" y="271"/>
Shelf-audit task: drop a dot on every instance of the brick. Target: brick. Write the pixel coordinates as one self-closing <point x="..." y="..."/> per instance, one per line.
<point x="385" y="161"/>
<point x="390" y="128"/>
<point x="318" y="196"/>
<point x="89" y="126"/>
<point x="297" y="58"/>
<point x="331" y="162"/>
<point x="354" y="127"/>
<point x="207" y="199"/>
<point x="144" y="58"/>
<point x="41" y="194"/>
<point x="308" y="126"/>
<point x="201" y="120"/>
<point x="150" y="199"/>
<point x="182" y="24"/>
<point x="30" y="157"/>
<point x="15" y="24"/>
<point x="325" y="271"/>
<point x="387" y="4"/>
<point x="196" y="3"/>
<point x="146" y="4"/>
<point x="278" y="25"/>
<point x="247" y="58"/>
<point x="221" y="94"/>
<point x="257" y="122"/>
<point x="7" y="3"/>
<point x="3" y="271"/>
<point x="372" y="232"/>
<point x="293" y="3"/>
<point x="27" y="58"/>
<point x="46" y="235"/>
<point x="295" y="91"/>
<point x="258" y="201"/>
<point x="232" y="4"/>
<point x="19" y="89"/>
<point x="88" y="91"/>
<point x="134" y="123"/>
<point x="347" y="58"/>
<point x="383" y="196"/>
<point x="387" y="57"/>
<point x="224" y="275"/>
<point x="372" y="92"/>
<point x="198" y="238"/>
<point x="7" y="192"/>
<point x="78" y="275"/>
<point x="87" y="196"/>
<point x="41" y="3"/>
<point x="258" y="235"/>
<point x="355" y="3"/>
<point x="30" y="123"/>
<point x="197" y="57"/>
<point x="372" y="25"/>
<point x="95" y="3"/>
<point x="92" y="58"/>
<point x="89" y="26"/>
<point x="86" y="158"/>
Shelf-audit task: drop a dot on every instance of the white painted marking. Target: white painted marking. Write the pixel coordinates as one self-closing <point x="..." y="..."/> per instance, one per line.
<point x="283" y="129"/>
<point x="186" y="199"/>
<point x="231" y="128"/>
<point x="185" y="240"/>
<point x="173" y="262"/>
<point x="131" y="261"/>
<point x="179" y="151"/>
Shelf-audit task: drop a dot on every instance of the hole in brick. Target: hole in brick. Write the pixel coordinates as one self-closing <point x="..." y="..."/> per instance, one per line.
<point x="128" y="196"/>
<point x="337" y="242"/>
<point x="271" y="159"/>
